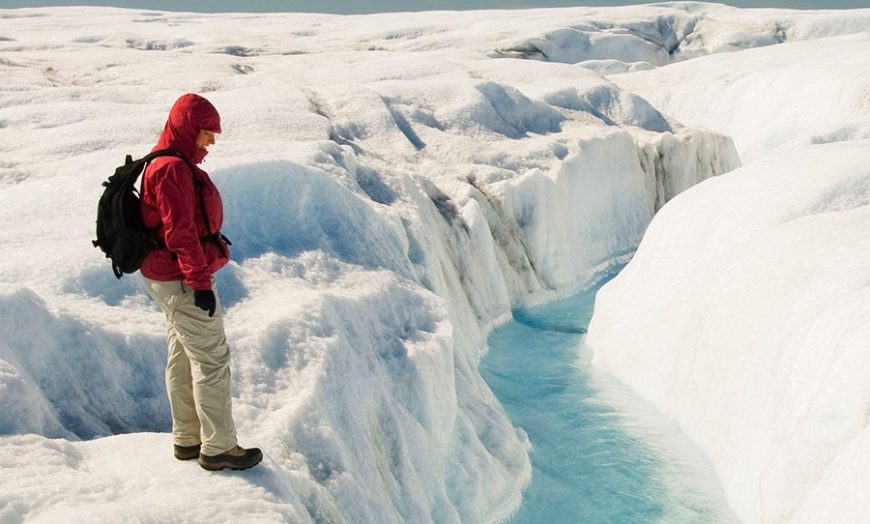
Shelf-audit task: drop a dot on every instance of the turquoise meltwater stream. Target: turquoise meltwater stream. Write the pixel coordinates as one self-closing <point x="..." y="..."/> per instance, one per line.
<point x="599" y="454"/>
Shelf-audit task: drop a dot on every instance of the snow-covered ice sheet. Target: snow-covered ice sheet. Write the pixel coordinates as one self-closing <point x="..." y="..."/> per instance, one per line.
<point x="393" y="185"/>
<point x="802" y="92"/>
<point x="125" y="479"/>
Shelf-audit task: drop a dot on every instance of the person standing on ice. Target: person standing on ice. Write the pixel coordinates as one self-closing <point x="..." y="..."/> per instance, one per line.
<point x="183" y="204"/>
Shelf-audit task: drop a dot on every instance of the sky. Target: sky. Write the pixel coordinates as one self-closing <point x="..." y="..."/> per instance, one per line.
<point x="380" y="6"/>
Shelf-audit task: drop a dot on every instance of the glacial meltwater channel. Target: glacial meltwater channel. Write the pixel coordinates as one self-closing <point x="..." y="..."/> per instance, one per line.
<point x="599" y="453"/>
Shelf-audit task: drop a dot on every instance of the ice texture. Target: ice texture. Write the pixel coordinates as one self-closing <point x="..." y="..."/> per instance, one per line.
<point x="394" y="184"/>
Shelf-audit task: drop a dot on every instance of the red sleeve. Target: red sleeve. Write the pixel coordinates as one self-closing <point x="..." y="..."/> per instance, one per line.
<point x="176" y="202"/>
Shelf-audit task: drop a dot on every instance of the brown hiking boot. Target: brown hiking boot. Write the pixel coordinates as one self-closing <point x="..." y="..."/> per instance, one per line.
<point x="185" y="452"/>
<point x="236" y="458"/>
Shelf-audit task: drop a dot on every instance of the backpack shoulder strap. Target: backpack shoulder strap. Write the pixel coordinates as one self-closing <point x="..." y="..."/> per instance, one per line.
<point x="196" y="181"/>
<point x="147" y="159"/>
<point x="166" y="152"/>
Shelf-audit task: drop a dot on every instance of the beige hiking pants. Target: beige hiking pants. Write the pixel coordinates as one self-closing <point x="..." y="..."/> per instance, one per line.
<point x="197" y="370"/>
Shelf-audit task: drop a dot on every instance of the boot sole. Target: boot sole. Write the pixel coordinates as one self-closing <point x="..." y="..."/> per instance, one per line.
<point x="218" y="466"/>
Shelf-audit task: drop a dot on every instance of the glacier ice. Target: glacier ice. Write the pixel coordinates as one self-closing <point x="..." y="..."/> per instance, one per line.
<point x="393" y="191"/>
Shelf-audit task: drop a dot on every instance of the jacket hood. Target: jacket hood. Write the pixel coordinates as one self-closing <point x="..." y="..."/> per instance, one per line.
<point x="190" y="114"/>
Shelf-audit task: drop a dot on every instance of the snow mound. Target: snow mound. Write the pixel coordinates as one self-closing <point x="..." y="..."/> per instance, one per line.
<point x="571" y="45"/>
<point x="612" y="106"/>
<point x="307" y="210"/>
<point x="521" y="115"/>
<point x="612" y="67"/>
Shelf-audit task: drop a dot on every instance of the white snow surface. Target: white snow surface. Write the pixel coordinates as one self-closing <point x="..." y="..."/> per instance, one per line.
<point x="795" y="93"/>
<point x="393" y="184"/>
<point x="743" y="314"/>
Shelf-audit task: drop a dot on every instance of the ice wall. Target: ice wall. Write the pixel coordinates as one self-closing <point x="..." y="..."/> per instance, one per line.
<point x="745" y="324"/>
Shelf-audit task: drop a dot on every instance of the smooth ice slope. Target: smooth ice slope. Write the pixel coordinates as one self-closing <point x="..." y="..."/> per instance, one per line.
<point x="743" y="313"/>
<point x="747" y="324"/>
<point x="393" y="185"/>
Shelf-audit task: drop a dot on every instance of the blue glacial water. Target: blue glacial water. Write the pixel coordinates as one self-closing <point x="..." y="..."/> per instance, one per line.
<point x="599" y="454"/>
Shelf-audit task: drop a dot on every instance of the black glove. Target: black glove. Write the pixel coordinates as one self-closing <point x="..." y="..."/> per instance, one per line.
<point x="205" y="300"/>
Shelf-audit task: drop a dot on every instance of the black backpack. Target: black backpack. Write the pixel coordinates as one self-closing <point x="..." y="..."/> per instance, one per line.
<point x="121" y="234"/>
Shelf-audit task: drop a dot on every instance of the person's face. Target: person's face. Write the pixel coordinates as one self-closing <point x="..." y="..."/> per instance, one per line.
<point x="204" y="139"/>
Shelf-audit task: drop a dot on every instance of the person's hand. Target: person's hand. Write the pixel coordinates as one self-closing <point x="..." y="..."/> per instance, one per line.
<point x="205" y="300"/>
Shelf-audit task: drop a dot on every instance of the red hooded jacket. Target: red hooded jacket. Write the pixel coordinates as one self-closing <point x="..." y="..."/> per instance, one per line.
<point x="173" y="197"/>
